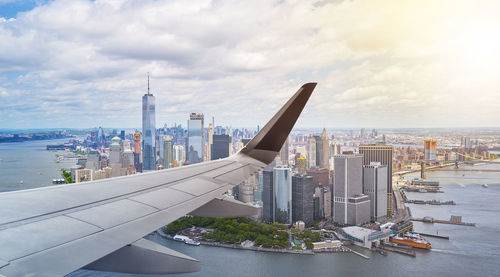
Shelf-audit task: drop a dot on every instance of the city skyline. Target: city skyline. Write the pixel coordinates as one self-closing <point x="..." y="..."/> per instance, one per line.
<point x="76" y="68"/>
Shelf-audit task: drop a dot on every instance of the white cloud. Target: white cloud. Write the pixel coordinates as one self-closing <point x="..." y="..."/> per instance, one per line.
<point x="380" y="64"/>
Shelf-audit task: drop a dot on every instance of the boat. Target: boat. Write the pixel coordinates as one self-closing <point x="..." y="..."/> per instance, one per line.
<point x="485" y="185"/>
<point x="192" y="242"/>
<point x="21" y="182"/>
<point x="413" y="241"/>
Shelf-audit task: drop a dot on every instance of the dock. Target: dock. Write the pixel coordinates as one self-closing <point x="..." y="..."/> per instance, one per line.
<point x="398" y="249"/>
<point x="359" y="254"/>
<point x="431" y="202"/>
<point x="454" y="220"/>
<point x="433" y="236"/>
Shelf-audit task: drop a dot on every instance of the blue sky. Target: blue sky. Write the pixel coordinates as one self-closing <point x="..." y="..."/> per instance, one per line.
<point x="377" y="63"/>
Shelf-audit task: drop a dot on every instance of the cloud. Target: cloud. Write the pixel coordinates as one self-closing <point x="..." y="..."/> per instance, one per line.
<point x="378" y="63"/>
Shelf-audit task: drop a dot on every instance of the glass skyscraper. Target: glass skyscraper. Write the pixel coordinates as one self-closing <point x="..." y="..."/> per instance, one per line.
<point x="148" y="131"/>
<point x="282" y="198"/>
<point x="195" y="143"/>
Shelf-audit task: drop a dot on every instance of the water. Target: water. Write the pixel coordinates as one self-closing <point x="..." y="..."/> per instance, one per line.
<point x="25" y="165"/>
<point x="471" y="251"/>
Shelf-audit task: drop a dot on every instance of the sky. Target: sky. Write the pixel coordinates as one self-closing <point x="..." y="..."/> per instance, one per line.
<point x="378" y="64"/>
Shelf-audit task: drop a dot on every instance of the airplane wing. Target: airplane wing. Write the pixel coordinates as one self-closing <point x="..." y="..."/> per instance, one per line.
<point x="100" y="225"/>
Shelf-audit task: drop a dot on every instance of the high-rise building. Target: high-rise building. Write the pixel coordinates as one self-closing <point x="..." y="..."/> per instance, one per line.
<point x="210" y="139"/>
<point x="179" y="154"/>
<point x="195" y="142"/>
<point x="267" y="195"/>
<point x="324" y="150"/>
<point x="93" y="160"/>
<point x="282" y="200"/>
<point x="302" y="199"/>
<point x="350" y="205"/>
<point x="284" y="153"/>
<point x="168" y="152"/>
<point x="137" y="152"/>
<point x="300" y="164"/>
<point x="122" y="134"/>
<point x="430" y="150"/>
<point x="375" y="186"/>
<point x="115" y="157"/>
<point x="311" y="152"/>
<point x="148" y="131"/>
<point x="257" y="193"/>
<point x="321" y="176"/>
<point x="221" y="145"/>
<point x="383" y="154"/>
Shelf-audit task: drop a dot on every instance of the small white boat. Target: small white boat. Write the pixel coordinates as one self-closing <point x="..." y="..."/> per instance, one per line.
<point x="485" y="185"/>
<point x="192" y="242"/>
<point x="21" y="182"/>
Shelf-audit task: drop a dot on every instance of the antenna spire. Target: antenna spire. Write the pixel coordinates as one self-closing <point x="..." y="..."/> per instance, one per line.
<point x="148" y="84"/>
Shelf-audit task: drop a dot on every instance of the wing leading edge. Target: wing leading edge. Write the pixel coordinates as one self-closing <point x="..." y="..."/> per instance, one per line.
<point x="56" y="230"/>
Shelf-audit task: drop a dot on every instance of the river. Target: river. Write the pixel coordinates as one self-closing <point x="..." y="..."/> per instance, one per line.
<point x="471" y="251"/>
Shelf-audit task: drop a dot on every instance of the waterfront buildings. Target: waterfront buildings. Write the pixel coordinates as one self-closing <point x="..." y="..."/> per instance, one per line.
<point x="168" y="152"/>
<point x="221" y="145"/>
<point x="366" y="237"/>
<point x="383" y="154"/>
<point x="282" y="195"/>
<point x="350" y="205"/>
<point x="148" y="131"/>
<point x="302" y="199"/>
<point x="374" y="185"/>
<point x="195" y="142"/>
<point x="429" y="150"/>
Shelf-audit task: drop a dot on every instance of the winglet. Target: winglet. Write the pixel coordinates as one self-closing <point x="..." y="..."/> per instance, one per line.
<point x="268" y="142"/>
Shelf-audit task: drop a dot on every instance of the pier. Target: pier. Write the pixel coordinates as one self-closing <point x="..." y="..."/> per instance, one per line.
<point x="433" y="236"/>
<point x="455" y="220"/>
<point x="398" y="249"/>
<point x="430" y="202"/>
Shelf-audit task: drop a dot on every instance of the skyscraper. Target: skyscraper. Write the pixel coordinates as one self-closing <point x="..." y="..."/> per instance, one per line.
<point x="311" y="152"/>
<point x="168" y="152"/>
<point x="430" y="150"/>
<point x="267" y="195"/>
<point x="220" y="146"/>
<point x="324" y="151"/>
<point x="210" y="139"/>
<point x="375" y="186"/>
<point x="350" y="205"/>
<point x="179" y="154"/>
<point x="282" y="200"/>
<point x="137" y="152"/>
<point x="383" y="154"/>
<point x="148" y="131"/>
<point x="195" y="142"/>
<point x="302" y="199"/>
<point x="284" y="153"/>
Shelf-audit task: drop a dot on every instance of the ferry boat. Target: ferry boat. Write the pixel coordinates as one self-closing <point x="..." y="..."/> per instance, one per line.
<point x="192" y="242"/>
<point x="485" y="185"/>
<point x="413" y="240"/>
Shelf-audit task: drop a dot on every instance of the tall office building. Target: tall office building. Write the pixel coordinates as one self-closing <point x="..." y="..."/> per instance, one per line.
<point x="383" y="154"/>
<point x="221" y="145"/>
<point x="137" y="152"/>
<point x="430" y="150"/>
<point x="268" y="193"/>
<point x="323" y="150"/>
<point x="350" y="205"/>
<point x="148" y="131"/>
<point x="115" y="157"/>
<point x="210" y="139"/>
<point x="282" y="190"/>
<point x="179" y="154"/>
<point x="311" y="152"/>
<point x="168" y="152"/>
<point x="284" y="153"/>
<point x="302" y="199"/>
<point x="195" y="142"/>
<point x="257" y="193"/>
<point x="375" y="186"/>
<point x="300" y="164"/>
